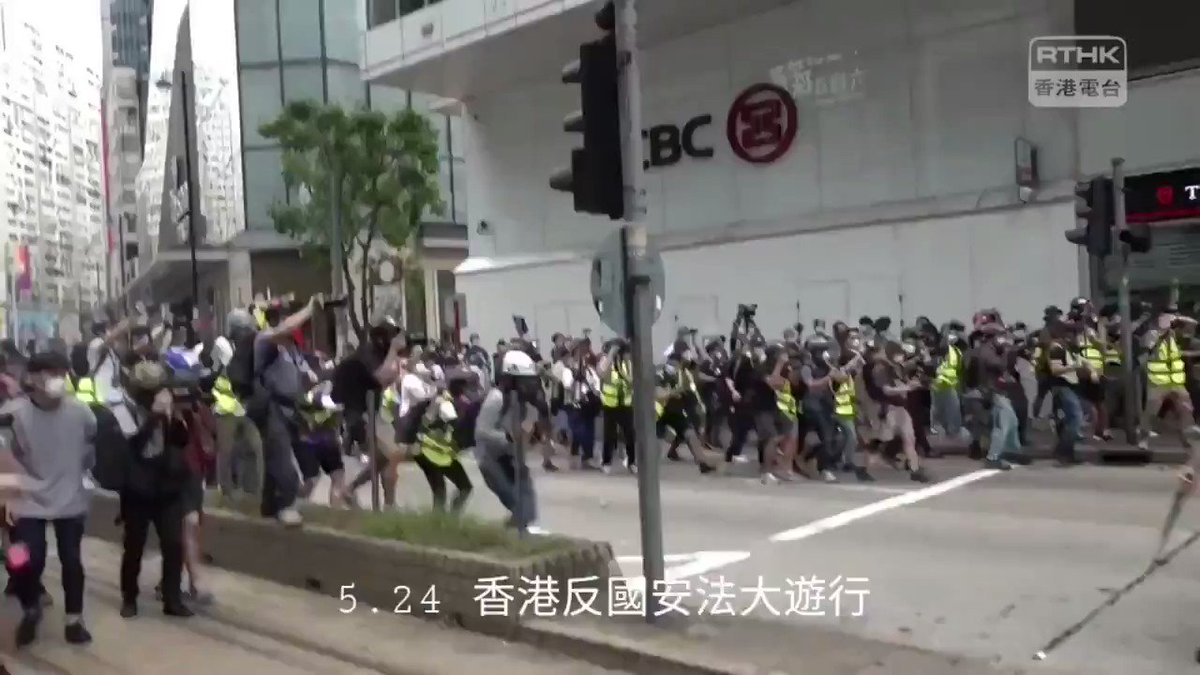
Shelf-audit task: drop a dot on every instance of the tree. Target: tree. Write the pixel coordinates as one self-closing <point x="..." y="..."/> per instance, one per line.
<point x="382" y="172"/>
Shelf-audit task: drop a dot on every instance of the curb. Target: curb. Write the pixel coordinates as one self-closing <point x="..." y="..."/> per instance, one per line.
<point x="618" y="653"/>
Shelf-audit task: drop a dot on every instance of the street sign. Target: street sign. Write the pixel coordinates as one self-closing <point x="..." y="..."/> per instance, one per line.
<point x="608" y="285"/>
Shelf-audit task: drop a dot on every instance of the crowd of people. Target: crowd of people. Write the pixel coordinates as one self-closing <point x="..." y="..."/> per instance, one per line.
<point x="160" y="416"/>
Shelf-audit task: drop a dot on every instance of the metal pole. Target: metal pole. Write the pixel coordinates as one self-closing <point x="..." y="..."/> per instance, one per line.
<point x="372" y="449"/>
<point x="122" y="221"/>
<point x="516" y="417"/>
<point x="336" y="285"/>
<point x="635" y="240"/>
<point x="1133" y="406"/>
<point x="189" y="157"/>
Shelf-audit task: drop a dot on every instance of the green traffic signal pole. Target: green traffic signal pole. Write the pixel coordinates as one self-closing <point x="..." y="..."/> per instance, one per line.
<point x="1132" y="407"/>
<point x="640" y="304"/>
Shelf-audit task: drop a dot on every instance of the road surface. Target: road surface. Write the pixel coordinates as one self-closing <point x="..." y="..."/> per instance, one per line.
<point x="983" y="564"/>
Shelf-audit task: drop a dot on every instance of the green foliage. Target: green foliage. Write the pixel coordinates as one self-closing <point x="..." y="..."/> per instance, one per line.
<point x="385" y="168"/>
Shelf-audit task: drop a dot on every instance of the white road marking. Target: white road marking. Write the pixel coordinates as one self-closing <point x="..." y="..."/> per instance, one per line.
<point x="688" y="565"/>
<point x="912" y="497"/>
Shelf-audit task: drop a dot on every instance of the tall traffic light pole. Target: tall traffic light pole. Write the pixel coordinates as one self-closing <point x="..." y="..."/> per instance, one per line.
<point x="606" y="178"/>
<point x="1132" y="406"/>
<point x="641" y="305"/>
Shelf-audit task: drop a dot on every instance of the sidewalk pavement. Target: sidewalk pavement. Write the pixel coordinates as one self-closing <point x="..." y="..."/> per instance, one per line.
<point x="1164" y="449"/>
<point x="264" y="628"/>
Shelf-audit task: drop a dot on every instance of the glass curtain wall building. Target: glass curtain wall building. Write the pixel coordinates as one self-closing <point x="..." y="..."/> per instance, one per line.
<point x="310" y="49"/>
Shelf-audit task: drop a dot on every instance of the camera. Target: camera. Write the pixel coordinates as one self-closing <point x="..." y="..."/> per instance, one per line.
<point x="747" y="312"/>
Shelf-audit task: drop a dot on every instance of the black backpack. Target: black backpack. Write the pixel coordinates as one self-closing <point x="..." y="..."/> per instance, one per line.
<point x="242" y="373"/>
<point x="113" y="458"/>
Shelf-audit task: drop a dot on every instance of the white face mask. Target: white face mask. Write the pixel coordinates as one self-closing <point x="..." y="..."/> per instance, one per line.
<point x="54" y="387"/>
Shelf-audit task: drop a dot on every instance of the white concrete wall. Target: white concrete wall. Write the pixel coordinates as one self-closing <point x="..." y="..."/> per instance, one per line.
<point x="1012" y="259"/>
<point x="943" y="98"/>
<point x="1155" y="131"/>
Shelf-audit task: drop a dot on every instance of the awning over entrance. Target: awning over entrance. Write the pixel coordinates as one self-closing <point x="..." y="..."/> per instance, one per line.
<point x="169" y="277"/>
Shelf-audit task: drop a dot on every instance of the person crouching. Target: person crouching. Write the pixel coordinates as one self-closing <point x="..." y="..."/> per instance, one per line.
<point x="154" y="493"/>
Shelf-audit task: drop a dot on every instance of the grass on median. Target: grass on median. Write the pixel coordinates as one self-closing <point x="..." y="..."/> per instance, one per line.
<point x="425" y="528"/>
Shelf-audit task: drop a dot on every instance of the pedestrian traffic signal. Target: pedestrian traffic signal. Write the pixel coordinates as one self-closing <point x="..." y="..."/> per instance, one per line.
<point x="595" y="178"/>
<point x="1137" y="237"/>
<point x="1093" y="216"/>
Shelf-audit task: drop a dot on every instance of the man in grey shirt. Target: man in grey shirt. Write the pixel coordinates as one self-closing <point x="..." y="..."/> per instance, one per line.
<point x="495" y="450"/>
<point x="52" y="438"/>
<point x="284" y="374"/>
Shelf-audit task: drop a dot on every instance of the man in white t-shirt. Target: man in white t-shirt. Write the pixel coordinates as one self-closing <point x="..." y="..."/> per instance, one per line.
<point x="104" y="361"/>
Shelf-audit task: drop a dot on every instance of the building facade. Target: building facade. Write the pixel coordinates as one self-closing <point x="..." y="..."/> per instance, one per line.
<point x="51" y="180"/>
<point x="244" y="61"/>
<point x="824" y="159"/>
<point x="123" y="147"/>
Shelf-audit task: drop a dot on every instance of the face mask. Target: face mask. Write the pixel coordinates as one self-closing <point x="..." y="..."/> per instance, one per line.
<point x="54" y="387"/>
<point x="855" y="345"/>
<point x="952" y="339"/>
<point x="825" y="356"/>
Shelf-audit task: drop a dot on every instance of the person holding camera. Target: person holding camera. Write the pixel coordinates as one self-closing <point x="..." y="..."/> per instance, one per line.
<point x="52" y="438"/>
<point x="156" y="490"/>
<point x="616" y="404"/>
<point x="495" y="447"/>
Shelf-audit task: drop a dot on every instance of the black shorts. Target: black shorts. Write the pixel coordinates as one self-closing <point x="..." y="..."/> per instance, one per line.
<point x="676" y="421"/>
<point x="1092" y="392"/>
<point x="407" y="427"/>
<point x="314" y="455"/>
<point x="193" y="495"/>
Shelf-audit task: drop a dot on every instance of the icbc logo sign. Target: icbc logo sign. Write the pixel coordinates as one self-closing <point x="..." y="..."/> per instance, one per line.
<point x="761" y="126"/>
<point x="762" y="123"/>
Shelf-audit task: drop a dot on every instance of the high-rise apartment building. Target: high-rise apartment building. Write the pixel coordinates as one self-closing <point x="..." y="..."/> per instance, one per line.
<point x="51" y="177"/>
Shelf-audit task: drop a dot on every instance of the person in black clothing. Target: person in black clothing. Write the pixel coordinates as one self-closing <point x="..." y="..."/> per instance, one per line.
<point x="680" y="402"/>
<point x="154" y="490"/>
<point x="716" y="392"/>
<point x="375" y="365"/>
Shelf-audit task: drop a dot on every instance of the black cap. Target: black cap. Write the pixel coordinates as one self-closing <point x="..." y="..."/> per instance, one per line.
<point x="46" y="361"/>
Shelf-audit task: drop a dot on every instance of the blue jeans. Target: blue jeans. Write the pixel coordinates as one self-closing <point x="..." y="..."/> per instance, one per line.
<point x="1070" y="421"/>
<point x="948" y="410"/>
<point x="1005" y="437"/>
<point x="849" y="438"/>
<point x="500" y="475"/>
<point x="583" y="433"/>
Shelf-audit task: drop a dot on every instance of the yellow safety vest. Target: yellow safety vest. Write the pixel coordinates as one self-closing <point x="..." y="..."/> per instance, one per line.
<point x="1095" y="358"/>
<point x="390" y="403"/>
<point x="1165" y="369"/>
<point x="947" y="370"/>
<point x="786" y="402"/>
<point x="689" y="383"/>
<point x="617" y="392"/>
<point x="84" y="391"/>
<point x="437" y="445"/>
<point x="224" y="400"/>
<point x="1112" y="356"/>
<point x="845" y="399"/>
<point x="260" y="318"/>
<point x="318" y="416"/>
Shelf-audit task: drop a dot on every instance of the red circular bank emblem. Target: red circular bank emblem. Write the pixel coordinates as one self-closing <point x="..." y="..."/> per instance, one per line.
<point x="1165" y="195"/>
<point x="762" y="123"/>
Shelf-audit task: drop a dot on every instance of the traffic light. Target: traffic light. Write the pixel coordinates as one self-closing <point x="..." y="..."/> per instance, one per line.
<point x="1093" y="216"/>
<point x="595" y="178"/>
<point x="1137" y="237"/>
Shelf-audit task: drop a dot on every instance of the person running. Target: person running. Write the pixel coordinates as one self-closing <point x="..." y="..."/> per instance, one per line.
<point x="496" y="448"/>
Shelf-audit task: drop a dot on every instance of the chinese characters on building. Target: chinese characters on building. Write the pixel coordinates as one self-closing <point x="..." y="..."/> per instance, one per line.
<point x="702" y="596"/>
<point x="825" y="80"/>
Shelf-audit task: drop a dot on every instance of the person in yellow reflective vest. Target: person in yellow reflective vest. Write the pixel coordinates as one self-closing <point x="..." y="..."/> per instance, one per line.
<point x="438" y="454"/>
<point x="676" y="402"/>
<point x="1091" y="386"/>
<point x="845" y="405"/>
<point x="1166" y="378"/>
<point x="319" y="448"/>
<point x="947" y="384"/>
<point x="616" y="404"/>
<point x="239" y="445"/>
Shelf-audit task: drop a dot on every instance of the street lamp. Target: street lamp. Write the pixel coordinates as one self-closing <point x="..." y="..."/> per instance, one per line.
<point x="193" y="195"/>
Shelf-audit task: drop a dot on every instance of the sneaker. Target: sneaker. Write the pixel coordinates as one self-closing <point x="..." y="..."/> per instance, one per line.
<point x="128" y="610"/>
<point x="863" y="475"/>
<point x="606" y="469"/>
<point x="673" y="455"/>
<point x="290" y="517"/>
<point x="179" y="611"/>
<point x="999" y="464"/>
<point x="77" y="634"/>
<point x="740" y="459"/>
<point x="920" y="476"/>
<point x="1144" y="445"/>
<point x="828" y="476"/>
<point x="549" y="466"/>
<point x="705" y="468"/>
<point x="631" y="468"/>
<point x="769" y="479"/>
<point x="27" y="629"/>
<point x="199" y="597"/>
